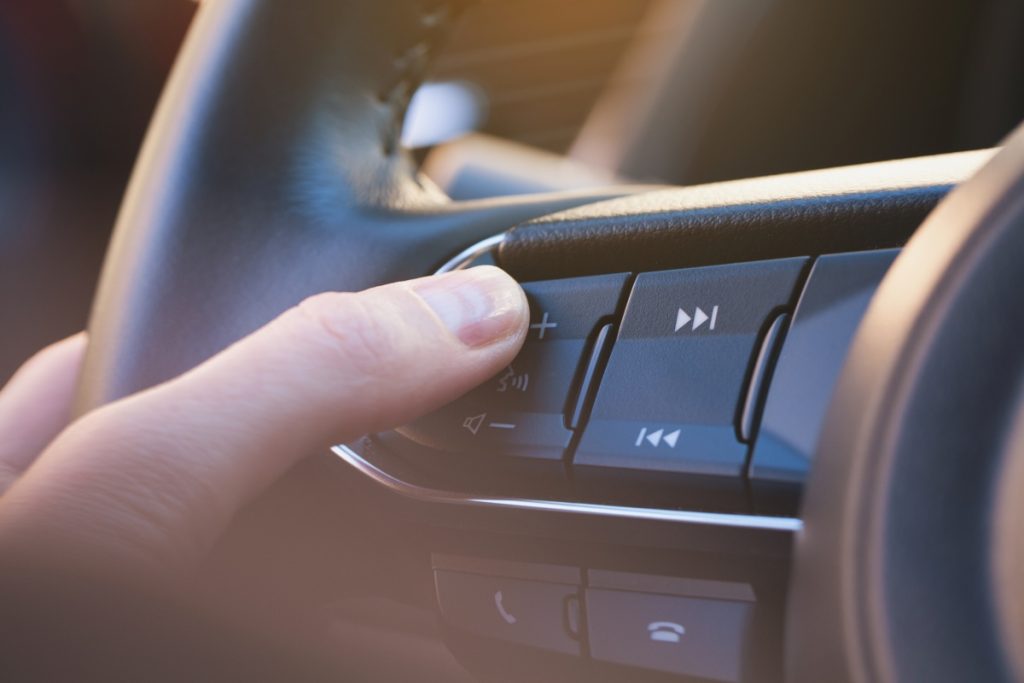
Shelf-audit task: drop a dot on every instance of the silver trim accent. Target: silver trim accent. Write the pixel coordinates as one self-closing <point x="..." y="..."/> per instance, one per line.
<point x="429" y="495"/>
<point x="466" y="255"/>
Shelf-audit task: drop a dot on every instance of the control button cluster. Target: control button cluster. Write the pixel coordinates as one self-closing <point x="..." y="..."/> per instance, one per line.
<point x="706" y="374"/>
<point x="676" y="376"/>
<point x="675" y="625"/>
<point x="523" y="410"/>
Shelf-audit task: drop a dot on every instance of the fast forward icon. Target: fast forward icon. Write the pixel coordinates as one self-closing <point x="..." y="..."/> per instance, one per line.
<point x="698" y="319"/>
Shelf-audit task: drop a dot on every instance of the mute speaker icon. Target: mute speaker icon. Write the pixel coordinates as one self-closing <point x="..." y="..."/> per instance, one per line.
<point x="474" y="423"/>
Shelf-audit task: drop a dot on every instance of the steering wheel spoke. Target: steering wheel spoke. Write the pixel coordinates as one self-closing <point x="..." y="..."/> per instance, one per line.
<point x="271" y="173"/>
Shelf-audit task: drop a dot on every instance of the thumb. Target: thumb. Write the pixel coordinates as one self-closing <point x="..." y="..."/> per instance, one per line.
<point x="159" y="475"/>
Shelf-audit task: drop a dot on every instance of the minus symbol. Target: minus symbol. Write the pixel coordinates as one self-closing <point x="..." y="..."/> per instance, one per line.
<point x="502" y="425"/>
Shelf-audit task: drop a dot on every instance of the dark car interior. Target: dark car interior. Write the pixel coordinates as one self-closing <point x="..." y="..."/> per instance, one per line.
<point x="766" y="423"/>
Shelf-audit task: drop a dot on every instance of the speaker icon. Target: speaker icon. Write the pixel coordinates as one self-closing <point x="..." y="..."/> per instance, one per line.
<point x="474" y="423"/>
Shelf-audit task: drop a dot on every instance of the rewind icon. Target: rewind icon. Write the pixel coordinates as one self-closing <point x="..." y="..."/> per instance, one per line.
<point x="657" y="437"/>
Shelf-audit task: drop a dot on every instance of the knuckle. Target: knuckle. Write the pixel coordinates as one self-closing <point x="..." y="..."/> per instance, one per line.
<point x="358" y="337"/>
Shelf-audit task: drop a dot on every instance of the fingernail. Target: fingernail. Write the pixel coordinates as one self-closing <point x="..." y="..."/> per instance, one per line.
<point x="479" y="305"/>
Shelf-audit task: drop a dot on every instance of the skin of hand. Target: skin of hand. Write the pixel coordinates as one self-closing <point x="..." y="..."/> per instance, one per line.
<point x="148" y="484"/>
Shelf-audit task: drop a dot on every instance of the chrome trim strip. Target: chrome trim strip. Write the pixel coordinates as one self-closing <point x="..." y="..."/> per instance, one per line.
<point x="428" y="495"/>
<point x="466" y="255"/>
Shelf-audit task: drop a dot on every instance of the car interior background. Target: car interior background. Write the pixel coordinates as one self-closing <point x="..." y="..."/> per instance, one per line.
<point x="671" y="91"/>
<point x="528" y="97"/>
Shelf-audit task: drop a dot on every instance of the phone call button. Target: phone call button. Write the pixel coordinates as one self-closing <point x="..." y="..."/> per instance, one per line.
<point x="534" y="613"/>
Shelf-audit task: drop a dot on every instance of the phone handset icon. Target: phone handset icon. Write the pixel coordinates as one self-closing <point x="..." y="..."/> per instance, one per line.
<point x="665" y="631"/>
<point x="505" y="614"/>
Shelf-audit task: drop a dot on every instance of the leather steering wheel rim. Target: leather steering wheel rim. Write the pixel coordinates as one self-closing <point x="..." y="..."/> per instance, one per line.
<point x="908" y="566"/>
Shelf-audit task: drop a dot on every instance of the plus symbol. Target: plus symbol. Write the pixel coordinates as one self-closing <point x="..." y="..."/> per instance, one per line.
<point x="543" y="326"/>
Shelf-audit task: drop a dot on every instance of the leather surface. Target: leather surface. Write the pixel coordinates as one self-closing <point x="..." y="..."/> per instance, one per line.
<point x="271" y="172"/>
<point x="843" y="209"/>
<point x="893" y="575"/>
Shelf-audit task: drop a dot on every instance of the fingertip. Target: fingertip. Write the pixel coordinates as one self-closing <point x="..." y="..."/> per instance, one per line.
<point x="480" y="306"/>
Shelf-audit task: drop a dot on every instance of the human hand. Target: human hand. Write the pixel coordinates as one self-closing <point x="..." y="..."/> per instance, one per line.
<point x="146" y="485"/>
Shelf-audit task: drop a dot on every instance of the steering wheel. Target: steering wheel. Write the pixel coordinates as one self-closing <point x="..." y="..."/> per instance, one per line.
<point x="272" y="171"/>
<point x="910" y="562"/>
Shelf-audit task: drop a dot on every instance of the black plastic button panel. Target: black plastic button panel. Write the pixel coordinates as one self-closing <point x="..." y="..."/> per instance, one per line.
<point x="675" y="625"/>
<point x="666" y="624"/>
<point x="705" y="373"/>
<point x="533" y="613"/>
<point x="524" y="410"/>
<point x="838" y="291"/>
<point x="537" y="605"/>
<point x="675" y="381"/>
<point x="682" y="635"/>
